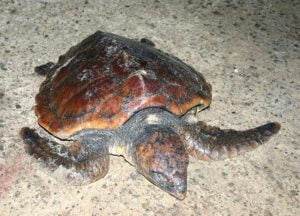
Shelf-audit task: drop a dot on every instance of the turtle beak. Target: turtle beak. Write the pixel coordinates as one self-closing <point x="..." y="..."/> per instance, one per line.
<point x="179" y="195"/>
<point x="175" y="183"/>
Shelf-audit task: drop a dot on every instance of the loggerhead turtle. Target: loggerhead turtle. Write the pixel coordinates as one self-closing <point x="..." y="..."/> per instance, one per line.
<point x="113" y="95"/>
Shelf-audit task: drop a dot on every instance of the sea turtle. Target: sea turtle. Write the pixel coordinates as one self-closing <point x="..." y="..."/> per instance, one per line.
<point x="114" y="95"/>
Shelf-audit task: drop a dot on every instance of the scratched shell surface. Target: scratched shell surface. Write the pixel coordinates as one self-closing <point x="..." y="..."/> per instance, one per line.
<point x="106" y="78"/>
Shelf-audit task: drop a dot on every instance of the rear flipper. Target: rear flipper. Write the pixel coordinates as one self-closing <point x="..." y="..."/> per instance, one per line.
<point x="72" y="165"/>
<point x="148" y="42"/>
<point x="211" y="143"/>
<point x="44" y="69"/>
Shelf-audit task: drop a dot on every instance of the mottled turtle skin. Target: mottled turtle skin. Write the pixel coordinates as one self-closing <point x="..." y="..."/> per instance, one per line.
<point x="113" y="95"/>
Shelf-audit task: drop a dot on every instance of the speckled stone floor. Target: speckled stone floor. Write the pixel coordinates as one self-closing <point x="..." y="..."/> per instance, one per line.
<point x="248" y="51"/>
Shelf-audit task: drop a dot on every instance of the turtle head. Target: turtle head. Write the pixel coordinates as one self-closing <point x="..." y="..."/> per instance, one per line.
<point x="162" y="159"/>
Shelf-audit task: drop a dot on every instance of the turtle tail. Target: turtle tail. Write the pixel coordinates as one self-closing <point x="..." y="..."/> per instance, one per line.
<point x="212" y="143"/>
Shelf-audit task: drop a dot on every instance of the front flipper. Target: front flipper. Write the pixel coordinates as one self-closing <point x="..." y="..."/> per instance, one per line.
<point x="211" y="143"/>
<point x="161" y="157"/>
<point x="73" y="165"/>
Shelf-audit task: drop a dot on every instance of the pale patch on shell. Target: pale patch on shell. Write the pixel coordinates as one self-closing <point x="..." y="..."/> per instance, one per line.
<point x="63" y="65"/>
<point x="86" y="74"/>
<point x="139" y="73"/>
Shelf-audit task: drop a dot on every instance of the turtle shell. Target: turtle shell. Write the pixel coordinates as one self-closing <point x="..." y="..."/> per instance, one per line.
<point x="106" y="78"/>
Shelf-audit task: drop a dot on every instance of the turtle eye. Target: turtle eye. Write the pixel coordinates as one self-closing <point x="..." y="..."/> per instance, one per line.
<point x="160" y="178"/>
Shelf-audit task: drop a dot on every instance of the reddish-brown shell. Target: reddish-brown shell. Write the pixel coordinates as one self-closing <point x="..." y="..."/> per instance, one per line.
<point x="106" y="78"/>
